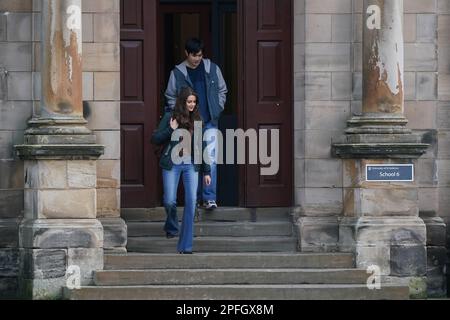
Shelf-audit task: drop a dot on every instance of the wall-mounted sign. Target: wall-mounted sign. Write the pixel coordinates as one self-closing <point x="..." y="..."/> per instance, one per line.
<point x="389" y="172"/>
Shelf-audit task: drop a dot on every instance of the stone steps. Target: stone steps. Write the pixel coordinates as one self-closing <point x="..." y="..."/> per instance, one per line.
<point x="229" y="260"/>
<point x="238" y="292"/>
<point x="228" y="277"/>
<point x="222" y="229"/>
<point x="215" y="244"/>
<point x="221" y="214"/>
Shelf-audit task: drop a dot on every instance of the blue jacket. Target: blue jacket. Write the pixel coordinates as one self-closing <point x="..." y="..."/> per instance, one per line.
<point x="216" y="88"/>
<point x="163" y="135"/>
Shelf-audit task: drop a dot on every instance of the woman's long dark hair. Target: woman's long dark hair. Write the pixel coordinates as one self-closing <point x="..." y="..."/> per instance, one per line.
<point x="185" y="118"/>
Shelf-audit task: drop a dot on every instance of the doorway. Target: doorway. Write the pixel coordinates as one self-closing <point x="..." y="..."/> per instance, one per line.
<point x="215" y="22"/>
<point x="251" y="41"/>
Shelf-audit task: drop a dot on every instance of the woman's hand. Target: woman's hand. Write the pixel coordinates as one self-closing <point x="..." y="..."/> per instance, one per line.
<point x="173" y="123"/>
<point x="208" y="180"/>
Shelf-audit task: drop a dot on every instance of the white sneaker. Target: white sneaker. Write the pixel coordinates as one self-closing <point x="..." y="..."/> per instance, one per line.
<point x="210" y="205"/>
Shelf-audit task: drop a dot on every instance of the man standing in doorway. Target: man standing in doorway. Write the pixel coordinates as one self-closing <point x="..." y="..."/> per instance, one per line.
<point x="206" y="79"/>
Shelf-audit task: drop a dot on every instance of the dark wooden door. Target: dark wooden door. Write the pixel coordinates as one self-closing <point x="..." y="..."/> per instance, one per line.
<point x="267" y="94"/>
<point x="139" y="102"/>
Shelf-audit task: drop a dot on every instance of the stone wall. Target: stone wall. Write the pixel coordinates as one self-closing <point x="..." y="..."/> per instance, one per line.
<point x="16" y="65"/>
<point x="328" y="91"/>
<point x="20" y="93"/>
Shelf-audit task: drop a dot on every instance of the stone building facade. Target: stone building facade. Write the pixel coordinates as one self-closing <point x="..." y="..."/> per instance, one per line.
<point x="328" y="91"/>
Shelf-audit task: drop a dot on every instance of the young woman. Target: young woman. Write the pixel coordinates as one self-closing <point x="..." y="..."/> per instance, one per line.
<point x="185" y="113"/>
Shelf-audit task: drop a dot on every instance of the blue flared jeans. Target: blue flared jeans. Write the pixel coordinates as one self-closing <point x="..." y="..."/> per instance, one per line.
<point x="171" y="179"/>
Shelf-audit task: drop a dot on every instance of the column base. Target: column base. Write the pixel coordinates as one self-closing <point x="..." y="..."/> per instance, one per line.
<point x="397" y="245"/>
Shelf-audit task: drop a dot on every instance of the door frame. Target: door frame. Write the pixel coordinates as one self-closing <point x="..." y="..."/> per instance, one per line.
<point x="155" y="58"/>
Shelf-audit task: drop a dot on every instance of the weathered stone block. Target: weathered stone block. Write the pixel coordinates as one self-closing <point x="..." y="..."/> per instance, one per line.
<point x="9" y="233"/>
<point x="318" y="86"/>
<point x="19" y="26"/>
<point x="318" y="28"/>
<point x="341" y="28"/>
<point x="318" y="234"/>
<point x="328" y="57"/>
<point x="9" y="263"/>
<point x="443" y="52"/>
<point x="330" y="115"/>
<point x="318" y="143"/>
<point x="427" y="31"/>
<point x="108" y="173"/>
<point x="420" y="57"/>
<point x="427" y="172"/>
<point x="443" y="112"/>
<point x="81" y="174"/>
<point x="436" y="269"/>
<point x="408" y="260"/>
<point x="328" y="6"/>
<point x="43" y="264"/>
<point x="426" y="86"/>
<point x="101" y="6"/>
<point x="443" y="6"/>
<point x="423" y="6"/>
<point x="115" y="232"/>
<point x="2" y="27"/>
<point x="410" y="27"/>
<point x="299" y="87"/>
<point x="15" y="5"/>
<point x="410" y="85"/>
<point x="101" y="57"/>
<point x="59" y="233"/>
<point x="392" y="231"/>
<point x="378" y="256"/>
<point x="88" y="27"/>
<point x="421" y="115"/>
<point x="103" y="115"/>
<point x="299" y="144"/>
<point x="108" y="203"/>
<point x="16" y="56"/>
<point x="428" y="201"/>
<point x="88" y="261"/>
<point x="42" y="289"/>
<point x="15" y="114"/>
<point x="323" y="173"/>
<point x="319" y="201"/>
<point x="60" y="204"/>
<point x="347" y="234"/>
<point x="11" y="204"/>
<point x="107" y="86"/>
<point x="11" y="174"/>
<point x="299" y="57"/>
<point x="341" y="88"/>
<point x="300" y="173"/>
<point x="357" y="86"/>
<point x="106" y="27"/>
<point x="396" y="202"/>
<point x="436" y="231"/>
<point x="111" y="141"/>
<point x="88" y="87"/>
<point x="299" y="28"/>
<point x="46" y="174"/>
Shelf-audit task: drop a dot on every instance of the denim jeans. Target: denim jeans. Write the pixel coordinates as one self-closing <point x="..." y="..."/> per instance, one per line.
<point x="190" y="182"/>
<point x="205" y="192"/>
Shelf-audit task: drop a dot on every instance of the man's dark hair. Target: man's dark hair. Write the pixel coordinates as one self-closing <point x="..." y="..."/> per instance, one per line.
<point x="194" y="46"/>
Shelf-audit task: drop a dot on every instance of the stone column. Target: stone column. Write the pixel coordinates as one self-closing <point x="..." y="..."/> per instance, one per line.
<point x="60" y="231"/>
<point x="381" y="223"/>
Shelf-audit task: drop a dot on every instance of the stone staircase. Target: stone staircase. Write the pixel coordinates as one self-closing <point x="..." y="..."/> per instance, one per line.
<point x="239" y="254"/>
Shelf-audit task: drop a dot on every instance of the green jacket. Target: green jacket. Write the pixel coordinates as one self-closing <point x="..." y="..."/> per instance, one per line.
<point x="163" y="135"/>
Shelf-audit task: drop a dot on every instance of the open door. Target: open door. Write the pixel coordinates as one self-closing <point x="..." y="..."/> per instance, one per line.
<point x="267" y="94"/>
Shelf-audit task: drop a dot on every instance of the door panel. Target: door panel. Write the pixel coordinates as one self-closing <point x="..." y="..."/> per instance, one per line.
<point x="139" y="101"/>
<point x="268" y="94"/>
